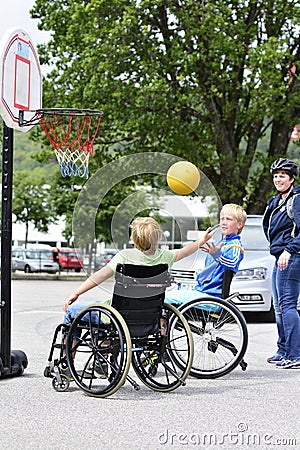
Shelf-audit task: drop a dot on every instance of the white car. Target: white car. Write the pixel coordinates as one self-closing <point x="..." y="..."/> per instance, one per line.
<point x="34" y="260"/>
<point x="252" y="281"/>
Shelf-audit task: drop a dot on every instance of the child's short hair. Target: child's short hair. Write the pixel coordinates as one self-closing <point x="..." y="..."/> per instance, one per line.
<point x="145" y="233"/>
<point x="237" y="211"/>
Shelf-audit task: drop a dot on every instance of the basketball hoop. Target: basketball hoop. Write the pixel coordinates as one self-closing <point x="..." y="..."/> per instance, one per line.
<point x="72" y="133"/>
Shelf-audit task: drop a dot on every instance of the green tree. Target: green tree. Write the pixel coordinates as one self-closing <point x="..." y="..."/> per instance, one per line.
<point x="32" y="202"/>
<point x="205" y="80"/>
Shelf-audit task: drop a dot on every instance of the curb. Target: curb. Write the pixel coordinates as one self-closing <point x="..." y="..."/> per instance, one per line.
<point x="49" y="277"/>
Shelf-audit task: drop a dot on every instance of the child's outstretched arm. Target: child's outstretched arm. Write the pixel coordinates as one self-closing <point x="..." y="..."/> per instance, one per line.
<point x="94" y="280"/>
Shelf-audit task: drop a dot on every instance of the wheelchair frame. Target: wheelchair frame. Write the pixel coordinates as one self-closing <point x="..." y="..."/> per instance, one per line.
<point x="102" y="337"/>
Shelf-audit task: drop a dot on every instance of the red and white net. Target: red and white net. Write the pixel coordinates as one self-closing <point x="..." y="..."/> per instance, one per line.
<point x="72" y="135"/>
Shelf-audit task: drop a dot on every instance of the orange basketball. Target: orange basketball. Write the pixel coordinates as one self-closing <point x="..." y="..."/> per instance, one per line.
<point x="183" y="177"/>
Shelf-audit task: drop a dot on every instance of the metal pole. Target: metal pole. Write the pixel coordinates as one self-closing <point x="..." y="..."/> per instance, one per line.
<point x="6" y="242"/>
<point x="11" y="362"/>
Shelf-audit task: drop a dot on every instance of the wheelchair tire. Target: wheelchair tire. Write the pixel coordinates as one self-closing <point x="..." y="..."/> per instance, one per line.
<point x="156" y="363"/>
<point x="99" y="350"/>
<point x="220" y="336"/>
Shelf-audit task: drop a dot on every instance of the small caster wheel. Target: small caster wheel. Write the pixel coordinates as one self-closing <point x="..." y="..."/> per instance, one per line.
<point x="62" y="386"/>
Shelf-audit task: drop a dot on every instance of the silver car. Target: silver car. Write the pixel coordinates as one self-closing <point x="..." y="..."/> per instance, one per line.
<point x="252" y="281"/>
<point x="34" y="260"/>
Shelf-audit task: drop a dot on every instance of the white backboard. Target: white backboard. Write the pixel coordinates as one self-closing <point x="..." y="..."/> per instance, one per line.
<point x="20" y="78"/>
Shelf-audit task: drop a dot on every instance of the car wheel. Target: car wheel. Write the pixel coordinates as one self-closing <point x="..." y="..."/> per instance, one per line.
<point x="27" y="269"/>
<point x="77" y="270"/>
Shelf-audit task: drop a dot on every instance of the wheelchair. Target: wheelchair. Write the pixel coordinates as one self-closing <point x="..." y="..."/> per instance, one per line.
<point x="138" y="329"/>
<point x="219" y="333"/>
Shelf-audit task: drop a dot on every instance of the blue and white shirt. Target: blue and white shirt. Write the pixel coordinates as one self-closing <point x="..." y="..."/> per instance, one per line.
<point x="210" y="279"/>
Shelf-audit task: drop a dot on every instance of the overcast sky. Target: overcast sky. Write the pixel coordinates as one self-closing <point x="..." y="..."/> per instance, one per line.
<point x="15" y="13"/>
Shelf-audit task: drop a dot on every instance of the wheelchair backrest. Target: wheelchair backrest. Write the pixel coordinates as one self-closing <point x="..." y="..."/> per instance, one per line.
<point x="227" y="278"/>
<point x="139" y="294"/>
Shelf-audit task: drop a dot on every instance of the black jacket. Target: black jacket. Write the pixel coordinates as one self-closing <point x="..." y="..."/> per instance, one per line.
<point x="278" y="226"/>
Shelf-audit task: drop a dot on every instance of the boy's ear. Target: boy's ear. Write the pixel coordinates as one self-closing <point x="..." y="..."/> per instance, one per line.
<point x="240" y="225"/>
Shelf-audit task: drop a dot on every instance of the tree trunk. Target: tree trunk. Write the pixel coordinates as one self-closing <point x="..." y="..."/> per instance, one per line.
<point x="26" y="234"/>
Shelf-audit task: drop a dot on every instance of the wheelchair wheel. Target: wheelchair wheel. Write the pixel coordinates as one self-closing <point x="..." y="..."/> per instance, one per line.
<point x="220" y="336"/>
<point x="156" y="361"/>
<point x="99" y="350"/>
<point x="61" y="386"/>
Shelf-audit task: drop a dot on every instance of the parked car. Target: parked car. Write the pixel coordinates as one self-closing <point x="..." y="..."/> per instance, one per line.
<point x="102" y="259"/>
<point x="90" y="262"/>
<point x="98" y="261"/>
<point x="107" y="256"/>
<point x="69" y="259"/>
<point x="252" y="281"/>
<point x="34" y="260"/>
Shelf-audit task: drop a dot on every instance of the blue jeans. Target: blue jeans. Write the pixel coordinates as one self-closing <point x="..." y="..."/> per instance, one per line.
<point x="286" y="289"/>
<point x="177" y="297"/>
<point x="73" y="311"/>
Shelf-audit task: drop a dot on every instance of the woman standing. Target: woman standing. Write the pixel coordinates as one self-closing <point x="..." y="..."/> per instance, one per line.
<point x="283" y="235"/>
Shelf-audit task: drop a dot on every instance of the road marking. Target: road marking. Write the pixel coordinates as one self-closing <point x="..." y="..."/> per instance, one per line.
<point x="41" y="312"/>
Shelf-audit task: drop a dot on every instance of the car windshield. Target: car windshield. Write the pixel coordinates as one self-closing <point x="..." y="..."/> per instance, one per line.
<point x="69" y="254"/>
<point x="252" y="238"/>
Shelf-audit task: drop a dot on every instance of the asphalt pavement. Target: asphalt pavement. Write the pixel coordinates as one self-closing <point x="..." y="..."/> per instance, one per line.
<point x="258" y="408"/>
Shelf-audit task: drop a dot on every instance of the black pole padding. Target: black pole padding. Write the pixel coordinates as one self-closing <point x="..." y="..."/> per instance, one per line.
<point x="11" y="362"/>
<point x="6" y="244"/>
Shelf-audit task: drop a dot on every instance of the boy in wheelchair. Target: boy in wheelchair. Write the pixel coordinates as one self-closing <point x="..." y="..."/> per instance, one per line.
<point x="218" y="328"/>
<point x="146" y="235"/>
<point x="223" y="256"/>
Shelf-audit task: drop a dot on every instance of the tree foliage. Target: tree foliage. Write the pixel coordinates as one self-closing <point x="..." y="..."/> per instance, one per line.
<point x="205" y="80"/>
<point x="32" y="202"/>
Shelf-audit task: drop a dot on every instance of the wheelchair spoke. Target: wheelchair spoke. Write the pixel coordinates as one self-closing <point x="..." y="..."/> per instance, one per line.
<point x="220" y="336"/>
<point x="98" y="361"/>
<point x="173" y="353"/>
